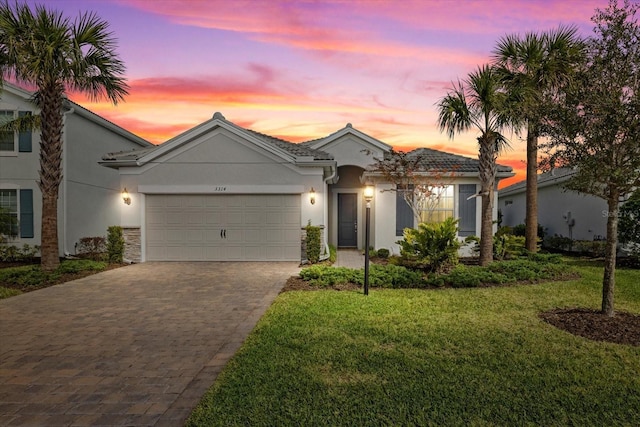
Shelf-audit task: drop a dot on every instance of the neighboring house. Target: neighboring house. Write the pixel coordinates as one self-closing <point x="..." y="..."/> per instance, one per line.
<point x="563" y="212"/>
<point x="222" y="192"/>
<point x="89" y="200"/>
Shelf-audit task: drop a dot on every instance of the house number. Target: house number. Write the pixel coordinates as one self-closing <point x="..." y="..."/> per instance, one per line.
<point x="220" y="189"/>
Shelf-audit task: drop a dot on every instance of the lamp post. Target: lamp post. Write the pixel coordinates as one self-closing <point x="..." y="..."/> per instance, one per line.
<point x="368" y="196"/>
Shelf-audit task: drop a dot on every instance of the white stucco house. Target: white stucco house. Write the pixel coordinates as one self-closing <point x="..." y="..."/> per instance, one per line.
<point x="89" y="193"/>
<point x="563" y="212"/>
<point x="222" y="192"/>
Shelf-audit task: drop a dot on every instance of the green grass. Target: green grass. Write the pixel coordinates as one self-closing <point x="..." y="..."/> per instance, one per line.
<point x="439" y="357"/>
<point x="8" y="292"/>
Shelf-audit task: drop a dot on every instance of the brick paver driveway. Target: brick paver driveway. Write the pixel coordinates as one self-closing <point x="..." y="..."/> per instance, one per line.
<point x="137" y="345"/>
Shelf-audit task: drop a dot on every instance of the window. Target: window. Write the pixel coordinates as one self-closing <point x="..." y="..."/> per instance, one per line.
<point x="437" y="204"/>
<point x="8" y="212"/>
<point x="7" y="138"/>
<point x="404" y="214"/>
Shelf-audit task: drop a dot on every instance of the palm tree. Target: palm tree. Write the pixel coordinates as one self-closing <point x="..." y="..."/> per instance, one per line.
<point x="43" y="49"/>
<point x="479" y="102"/>
<point x="537" y="65"/>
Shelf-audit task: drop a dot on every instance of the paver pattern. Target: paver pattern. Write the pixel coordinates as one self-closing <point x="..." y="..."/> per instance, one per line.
<point x="135" y="346"/>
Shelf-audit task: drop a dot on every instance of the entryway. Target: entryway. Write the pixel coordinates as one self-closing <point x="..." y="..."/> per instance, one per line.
<point x="347" y="220"/>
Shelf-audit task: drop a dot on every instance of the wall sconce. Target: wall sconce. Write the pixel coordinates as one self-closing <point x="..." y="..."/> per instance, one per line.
<point x="368" y="193"/>
<point x="125" y="197"/>
<point x="312" y="196"/>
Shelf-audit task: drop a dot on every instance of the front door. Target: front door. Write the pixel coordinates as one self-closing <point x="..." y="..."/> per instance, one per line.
<point x="347" y="220"/>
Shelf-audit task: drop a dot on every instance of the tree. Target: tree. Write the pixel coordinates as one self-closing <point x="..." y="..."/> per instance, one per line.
<point x="42" y="48"/>
<point x="539" y="65"/>
<point x="629" y="226"/>
<point x="479" y="102"/>
<point x="420" y="183"/>
<point x="596" y="127"/>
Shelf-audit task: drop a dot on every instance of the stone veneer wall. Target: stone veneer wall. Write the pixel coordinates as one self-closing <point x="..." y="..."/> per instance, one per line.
<point x="132" y="244"/>
<point x="303" y="244"/>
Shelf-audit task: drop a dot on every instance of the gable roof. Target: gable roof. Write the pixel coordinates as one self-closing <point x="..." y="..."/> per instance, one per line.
<point x="74" y="108"/>
<point x="288" y="151"/>
<point x="319" y="143"/>
<point x="554" y="176"/>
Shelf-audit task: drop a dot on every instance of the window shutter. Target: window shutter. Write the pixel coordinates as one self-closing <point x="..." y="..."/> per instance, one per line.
<point x="26" y="213"/>
<point x="467" y="210"/>
<point x="24" y="138"/>
<point x="404" y="214"/>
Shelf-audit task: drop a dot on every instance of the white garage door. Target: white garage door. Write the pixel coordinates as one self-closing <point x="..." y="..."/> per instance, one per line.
<point x="248" y="227"/>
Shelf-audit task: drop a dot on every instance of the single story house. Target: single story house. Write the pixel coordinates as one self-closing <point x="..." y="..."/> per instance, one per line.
<point x="87" y="193"/>
<point x="221" y="192"/>
<point x="560" y="212"/>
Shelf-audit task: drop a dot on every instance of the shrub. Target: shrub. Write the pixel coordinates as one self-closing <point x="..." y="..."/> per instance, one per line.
<point x="383" y="253"/>
<point x="333" y="254"/>
<point x="12" y="253"/>
<point x="557" y="243"/>
<point x="33" y="276"/>
<point x="313" y="243"/>
<point x="430" y="247"/>
<point x="94" y="248"/>
<point x="629" y="226"/>
<point x="520" y="230"/>
<point x="391" y="276"/>
<point x="115" y="244"/>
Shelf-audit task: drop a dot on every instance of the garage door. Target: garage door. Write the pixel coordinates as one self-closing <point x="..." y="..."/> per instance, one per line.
<point x="248" y="227"/>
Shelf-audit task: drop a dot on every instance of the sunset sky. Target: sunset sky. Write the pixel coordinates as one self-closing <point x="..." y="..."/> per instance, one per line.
<point x="300" y="70"/>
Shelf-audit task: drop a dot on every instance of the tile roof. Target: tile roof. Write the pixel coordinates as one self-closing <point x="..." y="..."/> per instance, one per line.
<point x="292" y="148"/>
<point x="546" y="178"/>
<point x="436" y="160"/>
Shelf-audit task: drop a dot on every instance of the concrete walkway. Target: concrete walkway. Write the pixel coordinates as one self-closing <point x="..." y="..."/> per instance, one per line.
<point x="135" y="346"/>
<point x="351" y="258"/>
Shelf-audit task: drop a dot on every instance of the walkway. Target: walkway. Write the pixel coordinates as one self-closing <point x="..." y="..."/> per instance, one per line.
<point x="351" y="258"/>
<point x="135" y="346"/>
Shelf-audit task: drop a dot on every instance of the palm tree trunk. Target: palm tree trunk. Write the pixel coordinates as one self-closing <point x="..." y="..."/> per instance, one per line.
<point x="487" y="157"/>
<point x="50" y="171"/>
<point x="531" y="221"/>
<point x="609" y="279"/>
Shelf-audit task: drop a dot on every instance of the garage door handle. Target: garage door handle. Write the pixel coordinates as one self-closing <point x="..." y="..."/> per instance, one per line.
<point x="225" y="234"/>
<point x="221" y="234"/>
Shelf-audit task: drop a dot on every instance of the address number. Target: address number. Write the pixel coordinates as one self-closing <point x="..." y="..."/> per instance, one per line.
<point x="220" y="189"/>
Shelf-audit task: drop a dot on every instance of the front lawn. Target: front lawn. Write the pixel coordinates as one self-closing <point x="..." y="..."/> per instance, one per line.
<point x="478" y="356"/>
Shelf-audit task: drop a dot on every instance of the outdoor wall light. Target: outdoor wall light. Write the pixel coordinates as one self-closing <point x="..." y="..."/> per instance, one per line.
<point x="368" y="193"/>
<point x="125" y="197"/>
<point x="312" y="196"/>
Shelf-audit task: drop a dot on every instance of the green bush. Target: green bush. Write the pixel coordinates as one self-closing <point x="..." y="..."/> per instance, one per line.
<point x="333" y="254"/>
<point x="430" y="247"/>
<point x="34" y="276"/>
<point x="12" y="253"/>
<point x="383" y="253"/>
<point x="313" y="243"/>
<point x="115" y="244"/>
<point x="390" y="276"/>
<point x="557" y="243"/>
<point x="94" y="248"/>
<point x="520" y="230"/>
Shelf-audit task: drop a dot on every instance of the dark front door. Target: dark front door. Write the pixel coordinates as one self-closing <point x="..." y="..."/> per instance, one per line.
<point x="347" y="220"/>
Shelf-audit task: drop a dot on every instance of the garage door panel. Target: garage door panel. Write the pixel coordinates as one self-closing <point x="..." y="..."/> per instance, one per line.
<point x="257" y="227"/>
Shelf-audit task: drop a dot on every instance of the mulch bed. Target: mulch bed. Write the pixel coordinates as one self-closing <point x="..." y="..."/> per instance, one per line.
<point x="622" y="328"/>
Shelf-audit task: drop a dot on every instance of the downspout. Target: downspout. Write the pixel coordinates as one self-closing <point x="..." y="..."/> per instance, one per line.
<point x="326" y="213"/>
<point x="64" y="183"/>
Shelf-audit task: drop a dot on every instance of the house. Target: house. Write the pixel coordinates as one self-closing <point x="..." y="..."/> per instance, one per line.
<point x="222" y="192"/>
<point x="560" y="212"/>
<point x="89" y="199"/>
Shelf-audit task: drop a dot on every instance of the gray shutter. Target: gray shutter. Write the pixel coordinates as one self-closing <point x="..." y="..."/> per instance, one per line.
<point x="24" y="138"/>
<point x="26" y="213"/>
<point x="466" y="210"/>
<point x="404" y="214"/>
